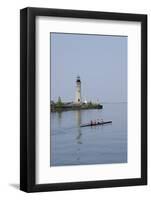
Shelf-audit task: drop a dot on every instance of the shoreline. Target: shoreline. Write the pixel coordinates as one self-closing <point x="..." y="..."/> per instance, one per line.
<point x="62" y="108"/>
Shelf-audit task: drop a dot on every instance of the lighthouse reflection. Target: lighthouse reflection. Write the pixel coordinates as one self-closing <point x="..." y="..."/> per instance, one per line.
<point x="78" y="122"/>
<point x="79" y="135"/>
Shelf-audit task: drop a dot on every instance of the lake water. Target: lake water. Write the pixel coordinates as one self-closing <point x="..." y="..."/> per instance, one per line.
<point x="72" y="145"/>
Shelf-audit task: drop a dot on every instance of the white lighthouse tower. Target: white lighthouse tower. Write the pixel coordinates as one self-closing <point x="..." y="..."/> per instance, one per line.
<point x="78" y="99"/>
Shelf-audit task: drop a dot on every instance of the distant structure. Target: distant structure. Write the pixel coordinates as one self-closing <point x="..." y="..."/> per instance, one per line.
<point x="78" y="99"/>
<point x="85" y="101"/>
<point x="78" y="104"/>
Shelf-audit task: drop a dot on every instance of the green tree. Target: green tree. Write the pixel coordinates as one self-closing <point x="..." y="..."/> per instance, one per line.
<point x="59" y="102"/>
<point x="90" y="103"/>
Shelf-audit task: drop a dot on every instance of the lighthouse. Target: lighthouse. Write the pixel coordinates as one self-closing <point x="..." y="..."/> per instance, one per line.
<point x="78" y="99"/>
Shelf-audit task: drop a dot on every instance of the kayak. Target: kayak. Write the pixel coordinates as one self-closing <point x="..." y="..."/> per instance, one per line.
<point x="97" y="124"/>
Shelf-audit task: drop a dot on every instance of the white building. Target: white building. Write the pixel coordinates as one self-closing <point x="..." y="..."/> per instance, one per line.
<point x="78" y="99"/>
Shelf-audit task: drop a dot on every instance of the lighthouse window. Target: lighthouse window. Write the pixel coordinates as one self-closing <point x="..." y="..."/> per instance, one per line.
<point x="78" y="99"/>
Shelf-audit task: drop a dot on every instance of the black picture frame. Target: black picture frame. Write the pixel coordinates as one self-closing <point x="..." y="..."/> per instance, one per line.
<point x="28" y="99"/>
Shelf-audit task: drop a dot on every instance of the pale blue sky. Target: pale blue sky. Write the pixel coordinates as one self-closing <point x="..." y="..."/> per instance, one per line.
<point x="100" y="61"/>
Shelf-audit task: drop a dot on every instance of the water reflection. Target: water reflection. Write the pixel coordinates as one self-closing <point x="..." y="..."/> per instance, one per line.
<point x="79" y="134"/>
<point x="59" y="118"/>
<point x="73" y="145"/>
<point x="78" y="122"/>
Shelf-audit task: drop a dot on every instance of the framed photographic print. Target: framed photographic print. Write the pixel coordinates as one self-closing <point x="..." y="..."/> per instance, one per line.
<point x="83" y="99"/>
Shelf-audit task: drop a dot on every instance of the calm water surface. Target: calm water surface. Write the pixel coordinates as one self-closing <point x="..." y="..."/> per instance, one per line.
<point x="72" y="145"/>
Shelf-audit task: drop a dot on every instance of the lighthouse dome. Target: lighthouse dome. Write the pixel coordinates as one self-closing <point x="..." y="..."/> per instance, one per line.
<point x="78" y="79"/>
